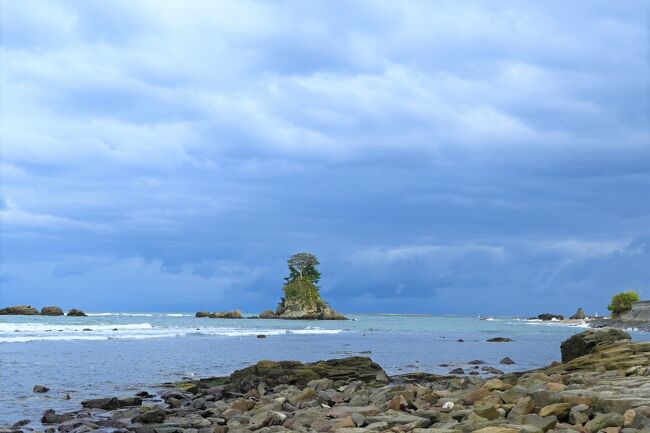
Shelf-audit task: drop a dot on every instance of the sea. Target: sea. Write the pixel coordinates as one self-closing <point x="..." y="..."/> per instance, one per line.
<point x="119" y="354"/>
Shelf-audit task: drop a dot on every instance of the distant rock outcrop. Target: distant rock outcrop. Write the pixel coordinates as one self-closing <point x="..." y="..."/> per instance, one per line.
<point x="268" y="314"/>
<point x="19" y="310"/>
<point x="200" y="314"/>
<point x="76" y="313"/>
<point x="236" y="314"/>
<point x="302" y="299"/>
<point x="549" y="316"/>
<point x="52" y="311"/>
<point x="579" y="315"/>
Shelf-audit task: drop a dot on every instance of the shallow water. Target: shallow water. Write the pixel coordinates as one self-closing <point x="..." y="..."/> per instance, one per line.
<point x="122" y="353"/>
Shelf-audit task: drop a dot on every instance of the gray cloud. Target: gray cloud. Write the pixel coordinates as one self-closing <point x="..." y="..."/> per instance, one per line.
<point x="427" y="152"/>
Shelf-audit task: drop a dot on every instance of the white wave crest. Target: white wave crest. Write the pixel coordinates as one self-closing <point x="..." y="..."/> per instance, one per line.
<point x="51" y="327"/>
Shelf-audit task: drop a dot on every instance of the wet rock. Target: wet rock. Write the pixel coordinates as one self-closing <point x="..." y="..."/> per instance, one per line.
<point x="51" y="417"/>
<point x="51" y="311"/>
<point x="21" y="423"/>
<point x="457" y="371"/>
<point x="110" y="403"/>
<point x="499" y="340"/>
<point x="76" y="313"/>
<point x="507" y="361"/>
<point x="491" y="370"/>
<point x="476" y="362"/>
<point x="40" y="389"/>
<point x="261" y="336"/>
<point x="201" y="314"/>
<point x="587" y="342"/>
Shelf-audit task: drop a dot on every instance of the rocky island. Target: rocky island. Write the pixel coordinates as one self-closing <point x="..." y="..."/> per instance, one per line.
<point x="302" y="299"/>
<point x="602" y="385"/>
<point x="28" y="310"/>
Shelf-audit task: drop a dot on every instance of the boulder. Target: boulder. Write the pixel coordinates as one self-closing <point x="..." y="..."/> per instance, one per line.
<point x="236" y="314"/>
<point x="40" y="389"/>
<point x="110" y="403"/>
<point x="604" y="420"/>
<point x="507" y="361"/>
<point x="268" y="314"/>
<point x="76" y="313"/>
<point x="274" y="373"/>
<point x="19" y="310"/>
<point x="51" y="417"/>
<point x="153" y="415"/>
<point x="202" y="314"/>
<point x="499" y="340"/>
<point x="579" y="315"/>
<point x="52" y="311"/>
<point x="588" y="341"/>
<point x="548" y="316"/>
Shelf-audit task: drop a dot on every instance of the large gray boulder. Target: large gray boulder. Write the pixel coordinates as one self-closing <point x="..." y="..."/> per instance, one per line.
<point x="587" y="342"/>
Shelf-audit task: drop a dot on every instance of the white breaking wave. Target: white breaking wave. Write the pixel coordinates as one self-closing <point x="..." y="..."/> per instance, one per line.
<point x="54" y="327"/>
<point x="27" y="332"/>
<point x="141" y="314"/>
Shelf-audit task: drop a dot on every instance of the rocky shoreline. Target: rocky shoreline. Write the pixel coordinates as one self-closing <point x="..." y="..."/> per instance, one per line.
<point x="603" y="385"/>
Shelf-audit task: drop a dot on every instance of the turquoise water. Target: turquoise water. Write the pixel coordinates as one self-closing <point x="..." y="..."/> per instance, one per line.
<point x="122" y="353"/>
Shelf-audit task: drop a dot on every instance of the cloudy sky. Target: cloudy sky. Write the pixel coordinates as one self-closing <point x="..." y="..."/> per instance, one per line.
<point x="438" y="157"/>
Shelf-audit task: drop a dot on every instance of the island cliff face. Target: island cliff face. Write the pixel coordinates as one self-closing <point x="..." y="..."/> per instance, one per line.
<point x="302" y="299"/>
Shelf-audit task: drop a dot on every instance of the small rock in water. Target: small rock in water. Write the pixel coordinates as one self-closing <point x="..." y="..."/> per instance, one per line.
<point x="506" y="361"/>
<point x="476" y="362"/>
<point x="491" y="370"/>
<point x="460" y="340"/>
<point x="21" y="423"/>
<point x="457" y="371"/>
<point x="499" y="340"/>
<point x="67" y="397"/>
<point x="86" y="329"/>
<point x="144" y="394"/>
<point x="114" y="329"/>
<point x="40" y="388"/>
<point x="261" y="336"/>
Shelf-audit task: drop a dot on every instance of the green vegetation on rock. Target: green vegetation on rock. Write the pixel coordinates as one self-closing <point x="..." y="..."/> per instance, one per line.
<point x="622" y="302"/>
<point x="302" y="299"/>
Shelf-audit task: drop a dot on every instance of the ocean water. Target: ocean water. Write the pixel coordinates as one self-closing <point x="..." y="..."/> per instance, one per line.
<point x="115" y="354"/>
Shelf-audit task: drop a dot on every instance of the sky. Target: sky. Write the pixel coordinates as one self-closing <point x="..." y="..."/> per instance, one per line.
<point x="460" y="157"/>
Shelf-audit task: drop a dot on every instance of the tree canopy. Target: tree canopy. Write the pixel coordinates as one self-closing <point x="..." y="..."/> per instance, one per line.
<point x="622" y="302"/>
<point x="303" y="266"/>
